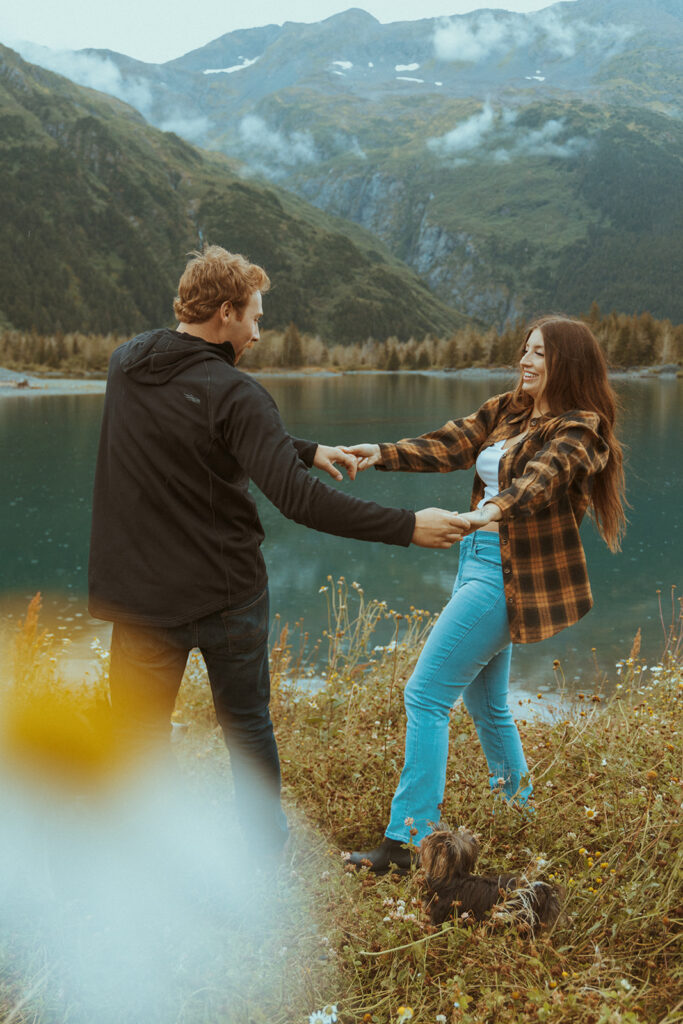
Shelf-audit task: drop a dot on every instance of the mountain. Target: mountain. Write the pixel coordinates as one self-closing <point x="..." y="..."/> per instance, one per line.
<point x="517" y="162"/>
<point x="98" y="211"/>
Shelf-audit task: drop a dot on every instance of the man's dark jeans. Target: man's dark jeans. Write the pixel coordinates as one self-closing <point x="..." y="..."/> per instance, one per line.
<point x="147" y="665"/>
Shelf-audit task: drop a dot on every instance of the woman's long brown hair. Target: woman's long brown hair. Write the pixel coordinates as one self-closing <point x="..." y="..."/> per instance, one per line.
<point x="576" y="378"/>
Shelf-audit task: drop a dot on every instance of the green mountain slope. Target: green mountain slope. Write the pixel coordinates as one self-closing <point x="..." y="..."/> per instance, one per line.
<point x="517" y="162"/>
<point x="506" y="211"/>
<point x="97" y="212"/>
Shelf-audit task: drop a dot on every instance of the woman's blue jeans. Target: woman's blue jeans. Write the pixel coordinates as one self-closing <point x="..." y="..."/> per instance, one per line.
<point x="466" y="654"/>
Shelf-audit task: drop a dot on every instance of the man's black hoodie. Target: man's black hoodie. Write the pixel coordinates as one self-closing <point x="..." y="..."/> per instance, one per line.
<point x="175" y="532"/>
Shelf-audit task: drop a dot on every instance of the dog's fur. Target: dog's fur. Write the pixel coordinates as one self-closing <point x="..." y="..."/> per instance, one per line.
<point x="448" y="860"/>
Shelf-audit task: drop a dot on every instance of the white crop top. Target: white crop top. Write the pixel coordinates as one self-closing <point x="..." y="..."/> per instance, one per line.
<point x="487" y="465"/>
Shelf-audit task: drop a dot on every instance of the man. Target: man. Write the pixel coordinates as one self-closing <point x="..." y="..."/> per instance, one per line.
<point x="175" y="559"/>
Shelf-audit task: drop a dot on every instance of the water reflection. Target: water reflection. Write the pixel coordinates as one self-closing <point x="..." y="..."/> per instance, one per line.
<point x="49" y="448"/>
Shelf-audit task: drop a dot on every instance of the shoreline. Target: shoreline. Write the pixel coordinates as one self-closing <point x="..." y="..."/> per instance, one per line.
<point x="14" y="382"/>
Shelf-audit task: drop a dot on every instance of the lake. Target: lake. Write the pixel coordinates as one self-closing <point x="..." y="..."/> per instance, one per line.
<point x="49" y="445"/>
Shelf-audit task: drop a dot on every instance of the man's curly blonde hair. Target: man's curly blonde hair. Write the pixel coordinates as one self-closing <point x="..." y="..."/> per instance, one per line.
<point x="215" y="276"/>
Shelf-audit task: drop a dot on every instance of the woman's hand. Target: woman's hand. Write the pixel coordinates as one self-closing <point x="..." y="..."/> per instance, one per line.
<point x="325" y="458"/>
<point x="367" y="455"/>
<point x="490" y="513"/>
<point x="437" y="528"/>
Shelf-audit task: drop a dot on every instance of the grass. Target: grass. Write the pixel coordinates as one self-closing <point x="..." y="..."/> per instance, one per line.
<point x="608" y="777"/>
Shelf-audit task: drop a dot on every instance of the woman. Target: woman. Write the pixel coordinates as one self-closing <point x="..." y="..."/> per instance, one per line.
<point x="544" y="454"/>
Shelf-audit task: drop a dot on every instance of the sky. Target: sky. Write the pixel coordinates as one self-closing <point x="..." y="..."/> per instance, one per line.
<point x="156" y="31"/>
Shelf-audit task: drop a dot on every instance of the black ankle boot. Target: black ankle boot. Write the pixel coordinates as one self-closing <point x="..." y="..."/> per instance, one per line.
<point x="390" y="854"/>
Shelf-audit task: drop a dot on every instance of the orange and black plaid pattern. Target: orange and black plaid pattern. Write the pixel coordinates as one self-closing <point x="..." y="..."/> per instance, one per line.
<point x="544" y="490"/>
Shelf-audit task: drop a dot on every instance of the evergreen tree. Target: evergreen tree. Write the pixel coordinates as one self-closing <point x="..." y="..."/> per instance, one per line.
<point x="393" y="362"/>
<point x="292" y="350"/>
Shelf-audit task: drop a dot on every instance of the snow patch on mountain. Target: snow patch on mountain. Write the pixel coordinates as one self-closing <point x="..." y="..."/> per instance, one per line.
<point x="246" y="63"/>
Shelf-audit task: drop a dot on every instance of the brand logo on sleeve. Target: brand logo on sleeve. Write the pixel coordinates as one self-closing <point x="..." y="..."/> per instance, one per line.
<point x="192" y="398"/>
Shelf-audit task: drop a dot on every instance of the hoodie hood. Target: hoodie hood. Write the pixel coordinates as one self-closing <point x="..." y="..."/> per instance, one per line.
<point x="155" y="357"/>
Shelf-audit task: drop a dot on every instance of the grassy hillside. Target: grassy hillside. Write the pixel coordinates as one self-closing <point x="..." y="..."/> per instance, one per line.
<point x="554" y="205"/>
<point x="98" y="211"/>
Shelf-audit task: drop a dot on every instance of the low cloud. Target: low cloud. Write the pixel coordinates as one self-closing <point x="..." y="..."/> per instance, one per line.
<point x="476" y="37"/>
<point x="466" y="136"/>
<point x="90" y="70"/>
<point x="496" y="135"/>
<point x="101" y="73"/>
<point x="472" y="40"/>
<point x="194" y="129"/>
<point x="274" y="152"/>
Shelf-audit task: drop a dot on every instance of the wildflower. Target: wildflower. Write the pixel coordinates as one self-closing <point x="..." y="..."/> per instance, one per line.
<point x="330" y="1013"/>
<point x="440" y="1018"/>
<point x="322" y="590"/>
<point x="625" y="984"/>
<point x="409" y="821"/>
<point x="317" y="1018"/>
<point x="583" y="851"/>
<point x="404" y="1013"/>
<point x="591" y="812"/>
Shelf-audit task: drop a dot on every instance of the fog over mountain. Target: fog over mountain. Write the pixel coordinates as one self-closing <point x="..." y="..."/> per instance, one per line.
<point x="516" y="161"/>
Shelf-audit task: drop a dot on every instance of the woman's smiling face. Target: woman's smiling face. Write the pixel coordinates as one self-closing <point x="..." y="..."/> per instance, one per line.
<point x="532" y="365"/>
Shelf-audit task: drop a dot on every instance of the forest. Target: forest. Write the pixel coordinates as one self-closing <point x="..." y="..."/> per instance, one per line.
<point x="628" y="341"/>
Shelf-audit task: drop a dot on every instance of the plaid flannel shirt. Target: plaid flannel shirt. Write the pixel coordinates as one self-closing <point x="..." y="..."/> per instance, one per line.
<point x="544" y="490"/>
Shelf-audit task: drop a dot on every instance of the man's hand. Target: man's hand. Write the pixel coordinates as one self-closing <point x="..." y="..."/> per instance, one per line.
<point x="325" y="457"/>
<point x="367" y="455"/>
<point x="437" y="528"/>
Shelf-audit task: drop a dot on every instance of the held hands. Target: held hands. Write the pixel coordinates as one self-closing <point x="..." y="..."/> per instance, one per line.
<point x="325" y="458"/>
<point x="434" y="527"/>
<point x="437" y="528"/>
<point x="366" y="454"/>
<point x="490" y="513"/>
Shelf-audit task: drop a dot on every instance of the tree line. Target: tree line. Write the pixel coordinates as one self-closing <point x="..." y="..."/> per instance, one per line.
<point x="628" y="340"/>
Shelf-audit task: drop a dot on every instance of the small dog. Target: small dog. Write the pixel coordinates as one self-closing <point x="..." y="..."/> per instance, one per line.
<point x="448" y="860"/>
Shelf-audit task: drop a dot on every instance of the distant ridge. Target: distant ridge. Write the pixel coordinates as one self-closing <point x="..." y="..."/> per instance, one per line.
<point x="98" y="211"/>
<point x="517" y="162"/>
